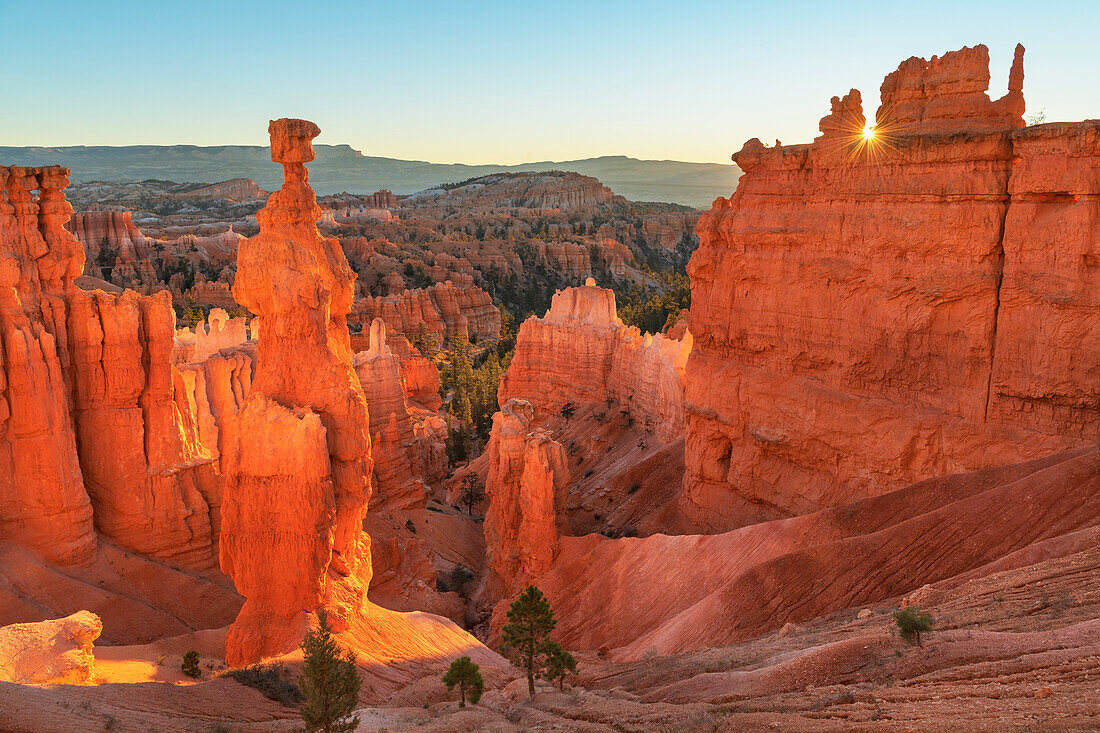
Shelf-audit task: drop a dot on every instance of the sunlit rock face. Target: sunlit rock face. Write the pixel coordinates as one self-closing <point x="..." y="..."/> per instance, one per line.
<point x="56" y="652"/>
<point x="94" y="417"/>
<point x="400" y="479"/>
<point x="581" y="352"/>
<point x="868" y="313"/>
<point x="298" y="474"/>
<point x="43" y="502"/>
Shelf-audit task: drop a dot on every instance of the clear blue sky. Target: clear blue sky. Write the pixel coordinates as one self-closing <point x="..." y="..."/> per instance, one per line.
<point x="503" y="82"/>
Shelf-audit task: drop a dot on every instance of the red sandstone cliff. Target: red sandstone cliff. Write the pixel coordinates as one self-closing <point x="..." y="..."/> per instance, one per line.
<point x="94" y="420"/>
<point x="405" y="439"/>
<point x="871" y="313"/>
<point x="581" y="352"/>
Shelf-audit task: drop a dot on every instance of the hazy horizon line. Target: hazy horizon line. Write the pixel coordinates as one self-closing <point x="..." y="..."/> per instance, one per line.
<point x="375" y="155"/>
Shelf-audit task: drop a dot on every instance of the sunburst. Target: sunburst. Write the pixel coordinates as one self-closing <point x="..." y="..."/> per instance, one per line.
<point x="870" y="142"/>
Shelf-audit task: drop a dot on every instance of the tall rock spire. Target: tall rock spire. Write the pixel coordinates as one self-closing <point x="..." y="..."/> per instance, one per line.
<point x="299" y="477"/>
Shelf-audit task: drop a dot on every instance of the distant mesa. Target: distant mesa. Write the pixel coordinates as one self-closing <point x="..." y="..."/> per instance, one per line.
<point x="339" y="168"/>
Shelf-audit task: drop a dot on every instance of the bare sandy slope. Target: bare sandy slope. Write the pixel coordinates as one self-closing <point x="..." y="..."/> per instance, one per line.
<point x="138" y="599"/>
<point x="1014" y="649"/>
<point x="668" y="594"/>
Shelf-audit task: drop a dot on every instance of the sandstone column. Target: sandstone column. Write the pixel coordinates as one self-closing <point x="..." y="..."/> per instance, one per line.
<point x="527" y="489"/>
<point x="298" y="476"/>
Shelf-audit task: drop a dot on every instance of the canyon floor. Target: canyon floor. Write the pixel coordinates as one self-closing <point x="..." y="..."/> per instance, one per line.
<point x="1013" y="650"/>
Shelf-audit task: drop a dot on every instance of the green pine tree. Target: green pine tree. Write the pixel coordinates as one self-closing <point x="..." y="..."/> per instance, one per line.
<point x="464" y="673"/>
<point x="461" y="408"/>
<point x="329" y="681"/>
<point x="190" y="664"/>
<point x="559" y="664"/>
<point x="912" y="622"/>
<point x="473" y="491"/>
<point x="527" y="633"/>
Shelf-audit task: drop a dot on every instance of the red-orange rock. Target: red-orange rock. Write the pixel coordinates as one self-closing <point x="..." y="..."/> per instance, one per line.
<point x="443" y="309"/>
<point x="527" y="488"/>
<point x="391" y="425"/>
<point x="581" y="352"/>
<point x="870" y="313"/>
<point x="1047" y="337"/>
<point x="948" y="93"/>
<point x="420" y="376"/>
<point x="298" y="476"/>
<point x="114" y="230"/>
<point x="147" y="476"/>
<point x="91" y="371"/>
<point x="666" y="594"/>
<point x="219" y="332"/>
<point x="43" y="503"/>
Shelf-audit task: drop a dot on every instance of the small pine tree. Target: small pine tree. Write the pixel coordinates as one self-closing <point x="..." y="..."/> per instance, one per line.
<point x="424" y="340"/>
<point x="461" y="409"/>
<point x="530" y="621"/>
<point x="465" y="675"/>
<point x="568" y="410"/>
<point x="329" y="681"/>
<point x="473" y="491"/>
<point x="190" y="664"/>
<point x="455" y="445"/>
<point x="559" y="664"/>
<point x="912" y="622"/>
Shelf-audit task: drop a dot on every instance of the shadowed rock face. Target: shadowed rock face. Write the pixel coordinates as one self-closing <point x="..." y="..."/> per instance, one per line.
<point x="298" y="477"/>
<point x="871" y="313"/>
<point x="527" y="487"/>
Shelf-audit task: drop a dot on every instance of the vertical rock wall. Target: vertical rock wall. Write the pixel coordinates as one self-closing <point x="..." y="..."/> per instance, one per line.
<point x="93" y="422"/>
<point x="868" y="313"/>
<point x="527" y="490"/>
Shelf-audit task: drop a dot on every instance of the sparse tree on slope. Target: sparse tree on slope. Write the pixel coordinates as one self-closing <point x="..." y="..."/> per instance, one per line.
<point x="190" y="664"/>
<point x="465" y="675"/>
<point x="912" y="622"/>
<point x="329" y="681"/>
<point x="527" y="634"/>
<point x="559" y="664"/>
<point x="473" y="491"/>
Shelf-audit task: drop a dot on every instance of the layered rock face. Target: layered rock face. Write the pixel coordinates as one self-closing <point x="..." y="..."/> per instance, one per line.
<point x="552" y="190"/>
<point x="581" y="352"/>
<point x="235" y="189"/>
<point x="148" y="477"/>
<point x="401" y="444"/>
<point x="444" y="309"/>
<point x="43" y="503"/>
<point x="50" y="652"/>
<point x="298" y="475"/>
<point x="527" y="488"/>
<point x="110" y="239"/>
<point x="868" y="313"/>
<point x="93" y="413"/>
